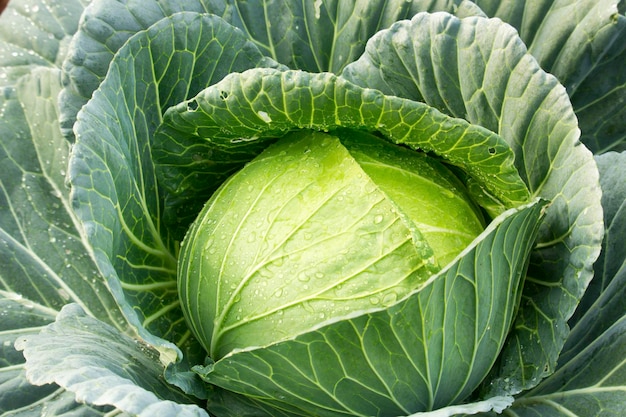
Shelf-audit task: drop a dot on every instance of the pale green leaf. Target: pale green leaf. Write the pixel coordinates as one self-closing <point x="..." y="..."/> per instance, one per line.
<point x="18" y="317"/>
<point x="44" y="261"/>
<point x="102" y="366"/>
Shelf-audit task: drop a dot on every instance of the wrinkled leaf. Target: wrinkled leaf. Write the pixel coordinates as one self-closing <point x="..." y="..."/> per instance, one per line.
<point x="102" y="366"/>
<point x="208" y="137"/>
<point x="35" y="33"/>
<point x="316" y="36"/>
<point x="583" y="43"/>
<point x="114" y="188"/>
<point x="43" y="257"/>
<point x="604" y="302"/>
<point x="405" y="358"/>
<point x="106" y="25"/>
<point x="482" y="72"/>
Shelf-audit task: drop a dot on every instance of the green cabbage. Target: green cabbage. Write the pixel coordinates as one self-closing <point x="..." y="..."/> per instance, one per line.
<point x="317" y="228"/>
<point x="121" y="119"/>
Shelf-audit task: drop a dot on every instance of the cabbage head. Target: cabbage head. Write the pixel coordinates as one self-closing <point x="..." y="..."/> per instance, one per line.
<point x="318" y="227"/>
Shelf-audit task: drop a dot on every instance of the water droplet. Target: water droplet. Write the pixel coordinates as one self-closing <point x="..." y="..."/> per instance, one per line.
<point x="266" y="273"/>
<point x="448" y="193"/>
<point x="278" y="292"/>
<point x="378" y="219"/>
<point x="390" y="299"/>
<point x="264" y="116"/>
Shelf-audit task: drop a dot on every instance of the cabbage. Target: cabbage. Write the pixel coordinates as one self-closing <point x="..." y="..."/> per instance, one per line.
<point x="316" y="228"/>
<point x="153" y="249"/>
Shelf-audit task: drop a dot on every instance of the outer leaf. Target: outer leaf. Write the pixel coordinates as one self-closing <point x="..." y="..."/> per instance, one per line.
<point x="325" y="35"/>
<point x="114" y="188"/>
<point x="405" y="358"/>
<point x="591" y="378"/>
<point x="313" y="35"/>
<point x="204" y="139"/>
<point x="38" y="233"/>
<point x="35" y="33"/>
<point x="593" y="383"/>
<point x="106" y="25"/>
<point x="18" y="317"/>
<point x="50" y="261"/>
<point x="102" y="366"/>
<point x="43" y="257"/>
<point x="583" y="43"/>
<point x="506" y="91"/>
<point x="604" y="302"/>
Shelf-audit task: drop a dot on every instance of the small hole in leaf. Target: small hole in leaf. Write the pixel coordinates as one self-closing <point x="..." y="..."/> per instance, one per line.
<point x="492" y="151"/>
<point x="192" y="105"/>
<point x="223" y="95"/>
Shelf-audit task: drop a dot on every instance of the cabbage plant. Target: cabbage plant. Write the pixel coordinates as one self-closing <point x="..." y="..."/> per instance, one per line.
<point x="324" y="208"/>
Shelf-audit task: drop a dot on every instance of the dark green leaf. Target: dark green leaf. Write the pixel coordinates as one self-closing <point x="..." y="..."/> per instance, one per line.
<point x="115" y="191"/>
<point x="593" y="383"/>
<point x="35" y="33"/>
<point x="319" y="36"/>
<point x="481" y="71"/>
<point x="604" y="302"/>
<point x="591" y="378"/>
<point x="311" y="35"/>
<point x="583" y="43"/>
<point x="106" y="25"/>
